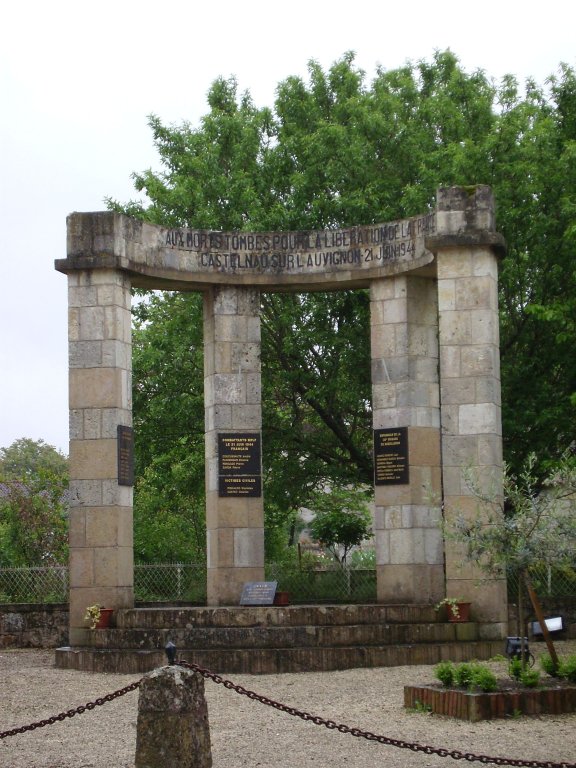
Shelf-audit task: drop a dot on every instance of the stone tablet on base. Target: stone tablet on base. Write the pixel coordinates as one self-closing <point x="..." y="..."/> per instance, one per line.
<point x="259" y="593"/>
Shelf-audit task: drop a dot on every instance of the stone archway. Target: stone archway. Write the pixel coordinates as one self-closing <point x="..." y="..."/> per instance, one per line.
<point x="435" y="386"/>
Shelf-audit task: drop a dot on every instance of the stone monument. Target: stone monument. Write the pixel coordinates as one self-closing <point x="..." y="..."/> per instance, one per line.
<point x="433" y="282"/>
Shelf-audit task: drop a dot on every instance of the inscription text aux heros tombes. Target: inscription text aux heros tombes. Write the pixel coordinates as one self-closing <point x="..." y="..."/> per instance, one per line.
<point x="298" y="250"/>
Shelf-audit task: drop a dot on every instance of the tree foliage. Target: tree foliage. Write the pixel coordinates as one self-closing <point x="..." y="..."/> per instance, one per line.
<point x="533" y="524"/>
<point x="33" y="504"/>
<point x="341" y="520"/>
<point x="336" y="151"/>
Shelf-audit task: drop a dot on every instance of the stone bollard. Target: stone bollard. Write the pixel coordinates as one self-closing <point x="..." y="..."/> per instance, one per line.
<point x="173" y="727"/>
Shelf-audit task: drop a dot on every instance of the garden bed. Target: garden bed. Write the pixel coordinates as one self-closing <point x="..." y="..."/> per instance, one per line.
<point x="508" y="701"/>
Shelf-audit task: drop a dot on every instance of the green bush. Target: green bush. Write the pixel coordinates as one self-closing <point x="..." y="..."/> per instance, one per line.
<point x="484" y="679"/>
<point x="548" y="665"/>
<point x="530" y="678"/>
<point x="568" y="668"/>
<point x="515" y="668"/>
<point x="445" y="673"/>
<point x="463" y="674"/>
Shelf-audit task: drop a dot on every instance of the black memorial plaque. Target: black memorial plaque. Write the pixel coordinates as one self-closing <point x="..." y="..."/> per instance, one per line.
<point x="239" y="462"/>
<point x="391" y="456"/>
<point x="125" y="437"/>
<point x="258" y="593"/>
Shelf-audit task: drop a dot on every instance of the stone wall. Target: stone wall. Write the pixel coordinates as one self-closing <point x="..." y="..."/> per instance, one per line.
<point x="33" y="625"/>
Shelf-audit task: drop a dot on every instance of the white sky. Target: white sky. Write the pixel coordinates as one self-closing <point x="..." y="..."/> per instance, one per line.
<point x="78" y="79"/>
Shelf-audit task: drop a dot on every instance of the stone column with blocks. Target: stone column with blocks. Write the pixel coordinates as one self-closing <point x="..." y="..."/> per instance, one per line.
<point x="232" y="399"/>
<point x="172" y="728"/>
<point x="467" y="249"/>
<point x="100" y="398"/>
<point x="405" y="400"/>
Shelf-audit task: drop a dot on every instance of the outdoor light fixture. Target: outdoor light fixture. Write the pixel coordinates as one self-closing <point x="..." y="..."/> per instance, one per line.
<point x="514" y="648"/>
<point x="170" y="652"/>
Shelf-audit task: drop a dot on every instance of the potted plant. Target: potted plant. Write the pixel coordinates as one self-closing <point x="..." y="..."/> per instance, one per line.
<point x="456" y="607"/>
<point x="98" y="617"/>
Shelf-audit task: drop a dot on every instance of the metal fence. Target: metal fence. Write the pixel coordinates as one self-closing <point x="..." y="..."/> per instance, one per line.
<point x="170" y="582"/>
<point x="186" y="582"/>
<point x="548" y="582"/>
<point x="326" y="585"/>
<point x="34" y="585"/>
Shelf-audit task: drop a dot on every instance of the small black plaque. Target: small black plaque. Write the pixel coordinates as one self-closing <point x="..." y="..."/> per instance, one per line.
<point x="125" y="437"/>
<point x="240" y="485"/>
<point x="391" y="456"/>
<point x="258" y="593"/>
<point x="239" y="464"/>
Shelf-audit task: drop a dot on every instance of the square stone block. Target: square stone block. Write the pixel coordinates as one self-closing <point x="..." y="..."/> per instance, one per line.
<point x="93" y="459"/>
<point x="108" y="527"/>
<point x="249" y="547"/>
<point x="97" y="388"/>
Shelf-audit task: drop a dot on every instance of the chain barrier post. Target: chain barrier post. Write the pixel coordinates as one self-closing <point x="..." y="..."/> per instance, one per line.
<point x="173" y="728"/>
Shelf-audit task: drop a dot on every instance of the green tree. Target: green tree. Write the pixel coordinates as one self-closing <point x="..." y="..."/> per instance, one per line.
<point x="26" y="458"/>
<point x="341" y="520"/>
<point x="532" y="524"/>
<point x="33" y="504"/>
<point x="337" y="151"/>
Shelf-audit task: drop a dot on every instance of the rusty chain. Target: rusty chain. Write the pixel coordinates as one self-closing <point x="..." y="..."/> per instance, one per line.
<point x="306" y="716"/>
<point x="71" y="712"/>
<point x="332" y="725"/>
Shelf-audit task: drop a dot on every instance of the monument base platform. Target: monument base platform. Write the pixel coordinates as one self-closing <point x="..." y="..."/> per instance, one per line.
<point x="278" y="639"/>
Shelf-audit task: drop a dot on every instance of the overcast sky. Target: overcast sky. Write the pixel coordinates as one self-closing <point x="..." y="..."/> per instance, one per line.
<point x="78" y="79"/>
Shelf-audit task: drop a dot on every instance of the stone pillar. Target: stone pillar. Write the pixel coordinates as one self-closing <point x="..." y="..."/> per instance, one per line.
<point x="100" y="398"/>
<point x="172" y="729"/>
<point x="467" y="249"/>
<point x="409" y="554"/>
<point x="232" y="399"/>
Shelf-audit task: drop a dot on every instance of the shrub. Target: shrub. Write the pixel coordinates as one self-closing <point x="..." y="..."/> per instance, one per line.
<point x="484" y="679"/>
<point x="515" y="668"/>
<point x="463" y="674"/>
<point x="530" y="678"/>
<point x="548" y="665"/>
<point x="568" y="668"/>
<point x="445" y="673"/>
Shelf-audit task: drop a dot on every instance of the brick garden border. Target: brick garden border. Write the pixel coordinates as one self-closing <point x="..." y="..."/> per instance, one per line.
<point x="465" y="705"/>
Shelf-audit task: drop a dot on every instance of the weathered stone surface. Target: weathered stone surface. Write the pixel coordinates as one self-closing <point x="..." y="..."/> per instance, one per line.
<point x="172" y="728"/>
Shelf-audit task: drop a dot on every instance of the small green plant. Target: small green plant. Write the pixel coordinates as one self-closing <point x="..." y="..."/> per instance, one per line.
<point x="548" y="665"/>
<point x="92" y="615"/>
<point x="445" y="673"/>
<point x="517" y="714"/>
<point x="568" y="668"/>
<point x="515" y="668"/>
<point x="484" y="679"/>
<point x="530" y="678"/>
<point x="463" y="674"/>
<point x="452" y="603"/>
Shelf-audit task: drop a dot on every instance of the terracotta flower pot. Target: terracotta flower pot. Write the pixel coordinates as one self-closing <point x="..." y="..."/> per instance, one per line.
<point x="461" y="613"/>
<point x="282" y="598"/>
<point x="105" y="618"/>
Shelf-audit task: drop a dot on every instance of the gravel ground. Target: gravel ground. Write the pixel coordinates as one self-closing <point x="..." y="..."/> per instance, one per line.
<point x="247" y="733"/>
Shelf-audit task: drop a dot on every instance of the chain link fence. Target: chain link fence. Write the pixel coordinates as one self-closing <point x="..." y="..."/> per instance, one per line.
<point x="186" y="582"/>
<point x="334" y="584"/>
<point x="34" y="585"/>
<point x="548" y="581"/>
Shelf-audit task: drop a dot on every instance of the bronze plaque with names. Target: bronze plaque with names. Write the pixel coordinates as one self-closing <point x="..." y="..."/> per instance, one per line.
<point x="391" y="456"/>
<point x="125" y="442"/>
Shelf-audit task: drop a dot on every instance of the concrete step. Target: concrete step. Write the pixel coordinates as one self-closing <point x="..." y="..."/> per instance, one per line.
<point x="276" y="660"/>
<point x="208" y="638"/>
<point x="274" y="639"/>
<point x="258" y="616"/>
